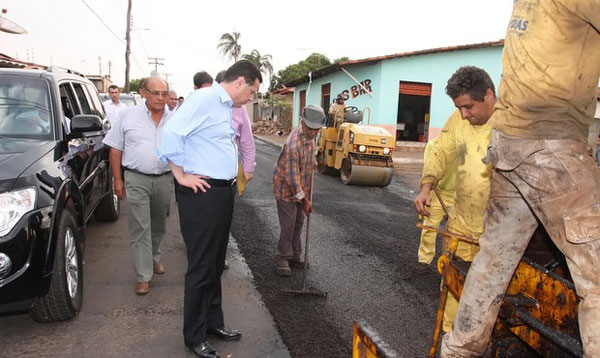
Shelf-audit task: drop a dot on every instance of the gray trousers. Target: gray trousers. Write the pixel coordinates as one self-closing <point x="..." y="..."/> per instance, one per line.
<point x="557" y="183"/>
<point x="291" y="219"/>
<point x="148" y="199"/>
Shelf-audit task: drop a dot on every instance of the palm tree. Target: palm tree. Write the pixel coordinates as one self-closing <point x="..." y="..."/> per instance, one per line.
<point x="229" y="45"/>
<point x="263" y="63"/>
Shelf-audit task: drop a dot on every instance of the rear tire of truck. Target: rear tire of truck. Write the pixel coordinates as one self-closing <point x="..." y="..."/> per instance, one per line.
<point x="110" y="206"/>
<point x="65" y="295"/>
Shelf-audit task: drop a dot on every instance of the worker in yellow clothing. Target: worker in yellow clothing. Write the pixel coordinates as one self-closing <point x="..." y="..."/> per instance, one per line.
<point x="465" y="138"/>
<point x="436" y="211"/>
<point x="543" y="173"/>
<point x="336" y="110"/>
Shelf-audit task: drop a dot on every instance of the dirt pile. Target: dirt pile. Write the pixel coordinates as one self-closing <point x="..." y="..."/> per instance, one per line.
<point x="267" y="127"/>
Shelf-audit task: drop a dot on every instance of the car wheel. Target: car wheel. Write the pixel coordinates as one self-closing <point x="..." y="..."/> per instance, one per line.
<point x="65" y="295"/>
<point x="110" y="206"/>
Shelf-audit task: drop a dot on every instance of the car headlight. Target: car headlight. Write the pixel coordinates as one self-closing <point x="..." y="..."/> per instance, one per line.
<point x="13" y="205"/>
<point x="386" y="151"/>
<point x="362" y="148"/>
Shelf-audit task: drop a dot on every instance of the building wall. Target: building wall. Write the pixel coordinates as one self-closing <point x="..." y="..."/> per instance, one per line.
<point x="385" y="77"/>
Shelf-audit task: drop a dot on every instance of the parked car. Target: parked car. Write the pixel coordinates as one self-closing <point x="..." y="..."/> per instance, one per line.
<point x="130" y="99"/>
<point x="54" y="174"/>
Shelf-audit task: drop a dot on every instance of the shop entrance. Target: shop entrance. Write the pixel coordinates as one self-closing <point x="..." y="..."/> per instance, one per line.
<point x="414" y="101"/>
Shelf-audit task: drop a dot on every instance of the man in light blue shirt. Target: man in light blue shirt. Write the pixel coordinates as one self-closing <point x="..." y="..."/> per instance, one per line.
<point x="198" y="144"/>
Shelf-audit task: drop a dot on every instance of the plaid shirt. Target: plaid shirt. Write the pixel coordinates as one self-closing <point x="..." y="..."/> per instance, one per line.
<point x="294" y="168"/>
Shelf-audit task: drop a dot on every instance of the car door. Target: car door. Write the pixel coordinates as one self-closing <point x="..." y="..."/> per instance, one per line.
<point x="93" y="175"/>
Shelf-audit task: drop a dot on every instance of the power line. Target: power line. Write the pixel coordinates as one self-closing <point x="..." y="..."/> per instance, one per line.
<point x="103" y="23"/>
<point x="111" y="30"/>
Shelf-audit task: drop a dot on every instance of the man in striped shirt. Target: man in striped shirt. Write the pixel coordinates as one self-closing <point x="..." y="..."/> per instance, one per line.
<point x="292" y="186"/>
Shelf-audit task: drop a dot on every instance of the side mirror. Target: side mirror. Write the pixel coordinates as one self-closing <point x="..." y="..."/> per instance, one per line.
<point x="83" y="125"/>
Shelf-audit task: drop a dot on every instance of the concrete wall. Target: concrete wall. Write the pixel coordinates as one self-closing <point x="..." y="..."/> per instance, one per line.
<point x="385" y="77"/>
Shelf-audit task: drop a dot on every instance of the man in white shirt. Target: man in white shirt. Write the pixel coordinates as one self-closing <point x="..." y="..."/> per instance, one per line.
<point x="147" y="183"/>
<point x="113" y="106"/>
<point x="172" y="101"/>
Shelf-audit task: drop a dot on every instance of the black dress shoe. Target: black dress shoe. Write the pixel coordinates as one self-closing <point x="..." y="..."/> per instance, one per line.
<point x="225" y="334"/>
<point x="203" y="350"/>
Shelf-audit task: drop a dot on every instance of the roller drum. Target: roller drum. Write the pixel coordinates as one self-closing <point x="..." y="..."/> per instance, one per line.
<point x="353" y="174"/>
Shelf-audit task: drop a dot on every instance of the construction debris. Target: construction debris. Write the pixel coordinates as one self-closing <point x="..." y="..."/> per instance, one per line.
<point x="267" y="127"/>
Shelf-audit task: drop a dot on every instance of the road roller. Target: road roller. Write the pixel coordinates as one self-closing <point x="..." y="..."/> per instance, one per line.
<point x="361" y="154"/>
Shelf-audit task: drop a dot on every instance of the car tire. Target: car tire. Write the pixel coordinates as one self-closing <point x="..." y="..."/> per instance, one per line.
<point x="64" y="298"/>
<point x="110" y="206"/>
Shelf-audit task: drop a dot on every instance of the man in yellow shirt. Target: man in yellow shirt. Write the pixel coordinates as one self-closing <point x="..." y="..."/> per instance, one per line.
<point x="336" y="110"/>
<point x="542" y="169"/>
<point x="446" y="188"/>
<point x="465" y="138"/>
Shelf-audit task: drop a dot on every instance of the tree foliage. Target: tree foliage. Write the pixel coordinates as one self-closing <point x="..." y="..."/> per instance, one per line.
<point x="300" y="69"/>
<point x="263" y="63"/>
<point x="229" y="45"/>
<point x="134" y="85"/>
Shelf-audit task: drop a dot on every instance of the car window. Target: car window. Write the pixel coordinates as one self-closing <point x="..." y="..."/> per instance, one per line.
<point x="93" y="94"/>
<point x="25" y="109"/>
<point x="86" y="108"/>
<point x="67" y="101"/>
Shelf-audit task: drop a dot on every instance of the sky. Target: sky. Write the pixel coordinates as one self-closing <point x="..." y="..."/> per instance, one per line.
<point x="84" y="35"/>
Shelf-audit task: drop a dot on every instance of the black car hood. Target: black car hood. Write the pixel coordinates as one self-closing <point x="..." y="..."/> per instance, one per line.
<point x="17" y="154"/>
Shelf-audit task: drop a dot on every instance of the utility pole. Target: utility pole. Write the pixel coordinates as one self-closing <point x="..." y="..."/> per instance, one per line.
<point x="156" y="63"/>
<point x="109" y="68"/>
<point x="127" y="48"/>
<point x="167" y="79"/>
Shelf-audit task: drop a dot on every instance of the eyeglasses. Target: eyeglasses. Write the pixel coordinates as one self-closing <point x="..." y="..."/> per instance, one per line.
<point x="157" y="93"/>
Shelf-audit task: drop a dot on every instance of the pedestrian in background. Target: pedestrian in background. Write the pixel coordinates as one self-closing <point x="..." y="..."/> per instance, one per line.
<point x="172" y="101"/>
<point x="198" y="145"/>
<point x="292" y="187"/>
<point x="113" y="107"/>
<point x="202" y="79"/>
<point x="134" y="141"/>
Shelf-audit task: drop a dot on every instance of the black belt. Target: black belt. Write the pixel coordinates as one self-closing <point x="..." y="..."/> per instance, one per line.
<point x="148" y="175"/>
<point x="221" y="182"/>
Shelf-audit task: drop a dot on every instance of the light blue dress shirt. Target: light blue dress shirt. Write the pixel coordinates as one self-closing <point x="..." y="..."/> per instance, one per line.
<point x="199" y="136"/>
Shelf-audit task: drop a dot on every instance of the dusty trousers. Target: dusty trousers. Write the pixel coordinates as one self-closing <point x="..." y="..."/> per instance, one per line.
<point x="464" y="251"/>
<point x="436" y="215"/>
<point x="558" y="183"/>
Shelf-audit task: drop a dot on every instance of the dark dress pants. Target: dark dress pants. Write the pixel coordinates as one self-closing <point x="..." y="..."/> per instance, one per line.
<point x="205" y="220"/>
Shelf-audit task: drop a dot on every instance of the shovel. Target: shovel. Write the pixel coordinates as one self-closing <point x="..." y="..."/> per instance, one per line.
<point x="304" y="291"/>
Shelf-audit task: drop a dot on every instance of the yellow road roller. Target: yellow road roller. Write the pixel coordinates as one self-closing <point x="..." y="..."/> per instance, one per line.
<point x="362" y="154"/>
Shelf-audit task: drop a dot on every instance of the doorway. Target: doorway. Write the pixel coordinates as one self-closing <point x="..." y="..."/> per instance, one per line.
<point x="414" y="102"/>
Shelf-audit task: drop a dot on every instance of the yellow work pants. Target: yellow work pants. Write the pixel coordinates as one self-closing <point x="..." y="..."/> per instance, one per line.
<point x="436" y="214"/>
<point x="466" y="252"/>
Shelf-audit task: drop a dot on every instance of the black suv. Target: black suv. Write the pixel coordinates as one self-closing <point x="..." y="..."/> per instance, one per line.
<point x="54" y="174"/>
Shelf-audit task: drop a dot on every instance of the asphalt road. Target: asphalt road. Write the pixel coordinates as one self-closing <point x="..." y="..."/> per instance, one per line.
<point x="363" y="253"/>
